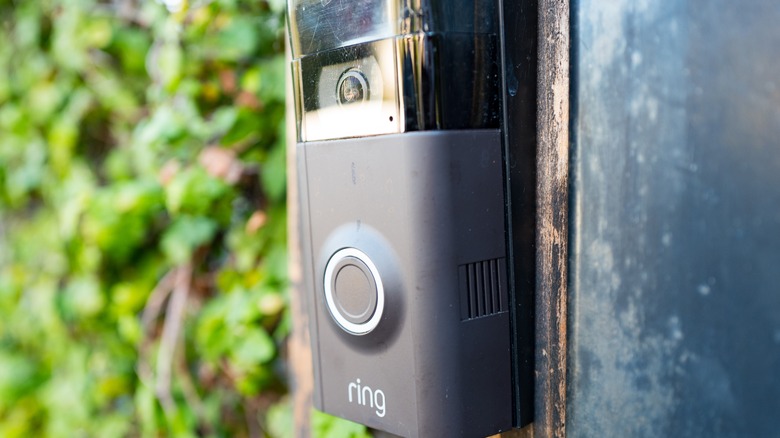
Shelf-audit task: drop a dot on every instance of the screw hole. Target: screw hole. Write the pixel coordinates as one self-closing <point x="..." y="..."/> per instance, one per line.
<point x="391" y="118"/>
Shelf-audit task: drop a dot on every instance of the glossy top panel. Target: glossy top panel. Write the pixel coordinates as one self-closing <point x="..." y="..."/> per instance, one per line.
<point x="319" y="25"/>
<point x="375" y="67"/>
<point x="417" y="82"/>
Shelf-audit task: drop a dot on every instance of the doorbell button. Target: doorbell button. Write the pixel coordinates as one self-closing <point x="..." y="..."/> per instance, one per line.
<point x="353" y="291"/>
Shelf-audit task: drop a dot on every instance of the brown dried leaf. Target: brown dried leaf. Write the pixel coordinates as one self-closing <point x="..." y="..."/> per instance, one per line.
<point x="221" y="163"/>
<point x="255" y="222"/>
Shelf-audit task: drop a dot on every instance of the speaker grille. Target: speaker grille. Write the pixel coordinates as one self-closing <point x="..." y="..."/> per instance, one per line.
<point x="483" y="290"/>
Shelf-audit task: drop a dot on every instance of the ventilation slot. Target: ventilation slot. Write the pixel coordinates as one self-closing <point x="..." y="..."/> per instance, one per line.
<point x="482" y="288"/>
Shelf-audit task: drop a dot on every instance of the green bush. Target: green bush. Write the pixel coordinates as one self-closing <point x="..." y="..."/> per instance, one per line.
<point x="142" y="219"/>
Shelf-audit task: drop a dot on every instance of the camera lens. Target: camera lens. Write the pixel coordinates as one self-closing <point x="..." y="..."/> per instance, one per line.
<point x="352" y="88"/>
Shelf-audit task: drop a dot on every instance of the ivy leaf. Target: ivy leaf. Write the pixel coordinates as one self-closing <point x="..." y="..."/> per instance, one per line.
<point x="272" y="73"/>
<point x="195" y="192"/>
<point x="238" y="40"/>
<point x="255" y="347"/>
<point x="185" y="235"/>
<point x="17" y="376"/>
<point x="329" y="426"/>
<point x="131" y="45"/>
<point x="280" y="420"/>
<point x="274" y="176"/>
<point x="166" y="60"/>
<point x="83" y="297"/>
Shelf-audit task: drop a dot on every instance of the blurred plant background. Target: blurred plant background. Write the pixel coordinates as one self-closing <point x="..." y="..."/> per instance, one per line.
<point x="142" y="220"/>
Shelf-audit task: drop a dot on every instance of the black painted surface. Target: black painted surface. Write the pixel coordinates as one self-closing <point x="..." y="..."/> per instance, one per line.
<point x="519" y="66"/>
<point x="675" y="228"/>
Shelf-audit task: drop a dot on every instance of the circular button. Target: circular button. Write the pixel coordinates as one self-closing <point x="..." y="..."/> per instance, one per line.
<point x="353" y="291"/>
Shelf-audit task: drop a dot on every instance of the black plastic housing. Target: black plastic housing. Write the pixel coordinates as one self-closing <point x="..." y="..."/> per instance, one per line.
<point x="428" y="209"/>
<point x="403" y="157"/>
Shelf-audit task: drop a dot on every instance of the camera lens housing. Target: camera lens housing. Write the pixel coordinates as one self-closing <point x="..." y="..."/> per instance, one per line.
<point x="352" y="88"/>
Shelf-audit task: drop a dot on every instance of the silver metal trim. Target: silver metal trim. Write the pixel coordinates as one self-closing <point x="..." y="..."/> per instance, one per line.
<point x="350" y="327"/>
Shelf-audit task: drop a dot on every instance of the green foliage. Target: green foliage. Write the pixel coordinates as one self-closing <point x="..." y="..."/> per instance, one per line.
<point x="332" y="427"/>
<point x="142" y="220"/>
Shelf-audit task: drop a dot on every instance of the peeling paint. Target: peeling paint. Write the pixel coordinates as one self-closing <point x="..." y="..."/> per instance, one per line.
<point x="552" y="218"/>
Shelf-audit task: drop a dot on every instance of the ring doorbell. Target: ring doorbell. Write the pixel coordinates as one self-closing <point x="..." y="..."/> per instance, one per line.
<point x="400" y="160"/>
